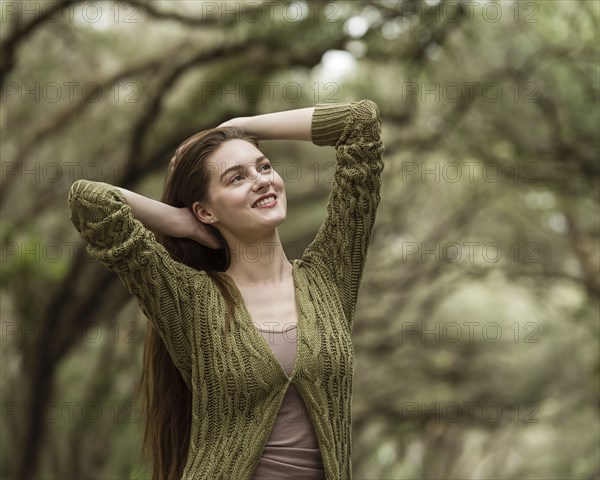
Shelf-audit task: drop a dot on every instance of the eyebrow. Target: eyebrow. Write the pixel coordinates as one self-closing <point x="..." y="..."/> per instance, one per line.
<point x="239" y="167"/>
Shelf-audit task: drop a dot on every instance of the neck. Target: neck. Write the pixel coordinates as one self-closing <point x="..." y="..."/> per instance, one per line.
<point x="261" y="261"/>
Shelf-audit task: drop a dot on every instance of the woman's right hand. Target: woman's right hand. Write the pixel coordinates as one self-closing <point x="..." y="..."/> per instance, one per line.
<point x="188" y="226"/>
<point x="168" y="220"/>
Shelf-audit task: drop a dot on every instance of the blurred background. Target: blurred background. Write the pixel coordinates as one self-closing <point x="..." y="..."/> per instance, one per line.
<point x="476" y="332"/>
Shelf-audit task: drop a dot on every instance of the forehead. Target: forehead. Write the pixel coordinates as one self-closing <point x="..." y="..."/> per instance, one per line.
<point x="232" y="153"/>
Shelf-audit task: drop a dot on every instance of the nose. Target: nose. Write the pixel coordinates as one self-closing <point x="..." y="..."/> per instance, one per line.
<point x="261" y="180"/>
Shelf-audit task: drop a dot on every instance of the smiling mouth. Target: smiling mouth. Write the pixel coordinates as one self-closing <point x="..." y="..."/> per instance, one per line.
<point x="265" y="201"/>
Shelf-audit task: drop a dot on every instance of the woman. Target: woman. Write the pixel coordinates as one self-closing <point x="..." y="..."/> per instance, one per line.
<point x="248" y="368"/>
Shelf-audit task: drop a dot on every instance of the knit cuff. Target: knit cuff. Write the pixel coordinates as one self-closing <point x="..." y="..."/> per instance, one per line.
<point x="328" y="122"/>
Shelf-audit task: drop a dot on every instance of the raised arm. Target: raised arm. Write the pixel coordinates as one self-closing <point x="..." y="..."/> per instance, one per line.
<point x="167" y="220"/>
<point x="341" y="245"/>
<point x="286" y="125"/>
<point x="120" y="242"/>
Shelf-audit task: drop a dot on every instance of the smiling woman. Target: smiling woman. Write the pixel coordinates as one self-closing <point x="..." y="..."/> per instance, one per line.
<point x="227" y="394"/>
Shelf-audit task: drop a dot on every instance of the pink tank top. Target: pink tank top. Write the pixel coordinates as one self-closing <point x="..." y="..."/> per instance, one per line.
<point x="292" y="449"/>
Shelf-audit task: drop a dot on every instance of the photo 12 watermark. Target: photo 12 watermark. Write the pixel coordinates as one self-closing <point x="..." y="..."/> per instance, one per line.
<point x="54" y="172"/>
<point x="468" y="92"/>
<point x="71" y="412"/>
<point x="472" y="252"/>
<point x="253" y="92"/>
<point x="469" y="412"/>
<point x="290" y="172"/>
<point x="267" y="12"/>
<point x="69" y="92"/>
<point x="87" y="12"/>
<point x="470" y="11"/>
<point x="469" y="171"/>
<point x="454" y="332"/>
<point x="91" y="333"/>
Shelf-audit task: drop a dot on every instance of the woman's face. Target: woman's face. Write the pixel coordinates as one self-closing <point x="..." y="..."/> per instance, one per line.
<point x="240" y="175"/>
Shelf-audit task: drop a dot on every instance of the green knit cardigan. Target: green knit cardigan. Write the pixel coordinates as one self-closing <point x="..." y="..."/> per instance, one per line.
<point x="237" y="390"/>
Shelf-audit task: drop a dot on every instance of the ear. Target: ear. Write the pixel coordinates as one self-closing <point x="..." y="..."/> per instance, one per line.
<point x="202" y="214"/>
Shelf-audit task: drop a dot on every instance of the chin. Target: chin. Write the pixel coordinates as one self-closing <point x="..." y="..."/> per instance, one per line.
<point x="277" y="221"/>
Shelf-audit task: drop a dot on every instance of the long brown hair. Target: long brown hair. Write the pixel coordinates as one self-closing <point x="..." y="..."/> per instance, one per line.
<point x="166" y="398"/>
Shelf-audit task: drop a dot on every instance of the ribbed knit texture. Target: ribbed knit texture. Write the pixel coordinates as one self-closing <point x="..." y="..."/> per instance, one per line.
<point x="237" y="390"/>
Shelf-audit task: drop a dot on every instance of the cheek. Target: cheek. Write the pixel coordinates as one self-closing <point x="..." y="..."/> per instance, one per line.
<point x="280" y="187"/>
<point x="231" y="200"/>
<point x="278" y="181"/>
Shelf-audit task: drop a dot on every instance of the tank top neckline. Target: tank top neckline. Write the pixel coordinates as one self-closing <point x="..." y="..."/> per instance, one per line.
<point x="270" y="330"/>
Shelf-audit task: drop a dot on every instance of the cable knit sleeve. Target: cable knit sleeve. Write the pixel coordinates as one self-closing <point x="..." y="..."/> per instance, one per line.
<point x="121" y="243"/>
<point x="340" y="247"/>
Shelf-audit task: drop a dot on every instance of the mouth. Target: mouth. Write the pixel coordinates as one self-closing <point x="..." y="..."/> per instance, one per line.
<point x="265" y="202"/>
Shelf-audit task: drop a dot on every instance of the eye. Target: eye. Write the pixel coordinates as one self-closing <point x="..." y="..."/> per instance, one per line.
<point x="267" y="165"/>
<point x="233" y="179"/>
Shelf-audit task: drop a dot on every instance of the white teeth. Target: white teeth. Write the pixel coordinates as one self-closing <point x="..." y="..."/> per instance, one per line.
<point x="264" y="201"/>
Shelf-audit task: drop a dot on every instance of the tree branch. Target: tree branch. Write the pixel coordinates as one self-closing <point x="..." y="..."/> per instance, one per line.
<point x="21" y="32"/>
